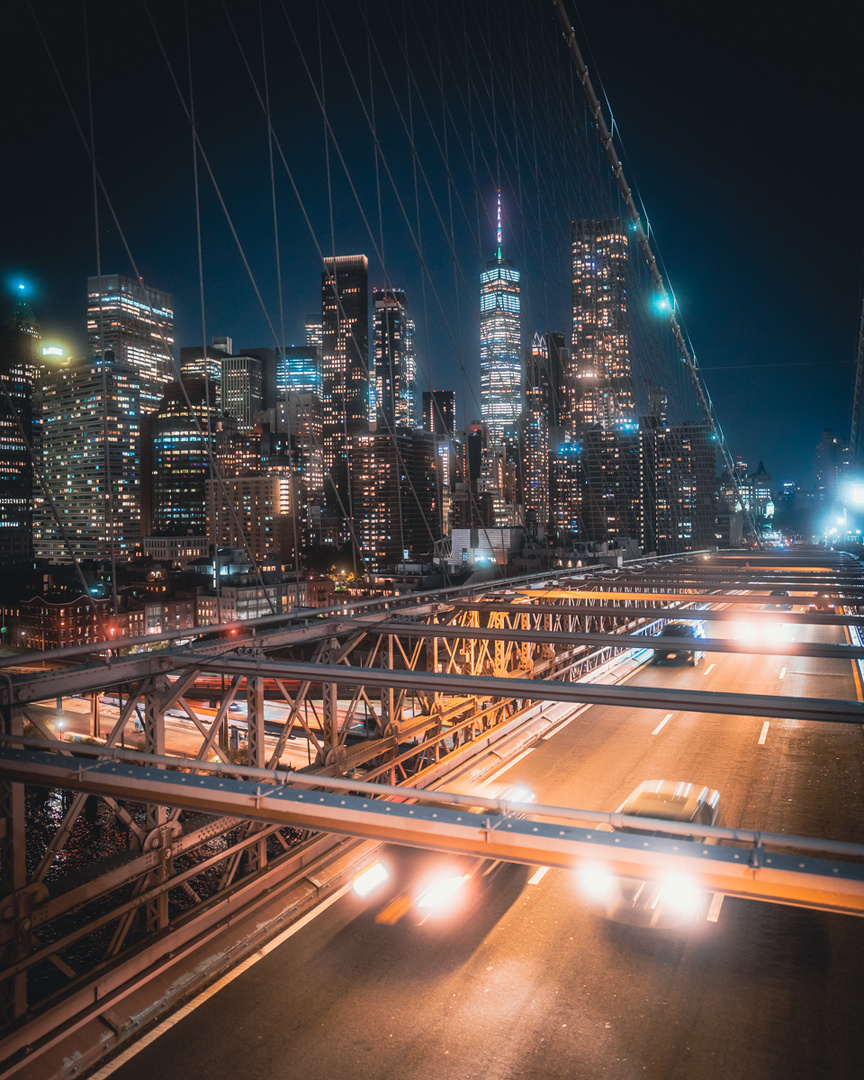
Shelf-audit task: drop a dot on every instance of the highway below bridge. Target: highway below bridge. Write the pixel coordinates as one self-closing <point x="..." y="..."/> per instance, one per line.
<point x="520" y="976"/>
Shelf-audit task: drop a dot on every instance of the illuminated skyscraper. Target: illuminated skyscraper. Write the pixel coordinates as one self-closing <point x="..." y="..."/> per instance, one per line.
<point x="500" y="343"/>
<point x="601" y="381"/>
<point x="345" y="358"/>
<point x="439" y="412"/>
<point x="136" y="323"/>
<point x="534" y="425"/>
<point x="395" y="363"/>
<point x="313" y="331"/>
<point x="180" y="462"/>
<point x="90" y="460"/>
<point x="293" y="447"/>
<point x="677" y="502"/>
<point x="198" y="362"/>
<point x="600" y="416"/>
<point x="18" y="341"/>
<point x="394" y="497"/>
<point x="298" y="370"/>
<point x="242" y="389"/>
<point x="251" y="510"/>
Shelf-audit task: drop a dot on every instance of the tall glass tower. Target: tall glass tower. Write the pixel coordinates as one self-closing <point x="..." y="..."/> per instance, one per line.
<point x="90" y="461"/>
<point x="601" y="378"/>
<point x="298" y="370"/>
<point x="136" y="323"/>
<point x="19" y="338"/>
<point x="345" y="356"/>
<point x="179" y="431"/>
<point x="395" y="363"/>
<point x="500" y="343"/>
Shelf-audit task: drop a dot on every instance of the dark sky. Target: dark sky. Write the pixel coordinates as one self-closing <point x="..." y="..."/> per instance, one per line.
<point x="739" y="128"/>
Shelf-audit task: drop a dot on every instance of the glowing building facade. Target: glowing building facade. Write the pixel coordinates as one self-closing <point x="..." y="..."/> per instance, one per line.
<point x="395" y="361"/>
<point x="394" y="497"/>
<point x="196" y="362"/>
<point x="678" y="500"/>
<point x="242" y="389"/>
<point x="19" y="338"/>
<point x="500" y="343"/>
<point x="345" y="357"/>
<point x="298" y="370"/>
<point x="534" y="431"/>
<point x="293" y="447"/>
<point x="601" y="380"/>
<point x="90" y="434"/>
<point x="439" y="412"/>
<point x="180" y="462"/>
<point x="254" y="509"/>
<point x="136" y="323"/>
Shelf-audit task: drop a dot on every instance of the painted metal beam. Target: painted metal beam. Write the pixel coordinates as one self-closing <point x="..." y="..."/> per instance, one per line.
<point x="26" y="690"/>
<point x="751" y="873"/>
<point x="629" y="695"/>
<point x="624" y="641"/>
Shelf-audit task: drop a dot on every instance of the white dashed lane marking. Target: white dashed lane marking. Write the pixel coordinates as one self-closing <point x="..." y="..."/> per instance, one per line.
<point x="714" y="910"/>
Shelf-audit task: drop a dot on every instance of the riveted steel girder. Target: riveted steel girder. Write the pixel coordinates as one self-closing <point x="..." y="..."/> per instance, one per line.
<point x="799" y="880"/>
<point x="624" y="641"/>
<point x="629" y="695"/>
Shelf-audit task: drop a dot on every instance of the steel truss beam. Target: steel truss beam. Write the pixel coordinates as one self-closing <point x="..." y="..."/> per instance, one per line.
<point x="623" y="641"/>
<point x="501" y="832"/>
<point x="628" y="695"/>
<point x="436" y="680"/>
<point x="638" y="610"/>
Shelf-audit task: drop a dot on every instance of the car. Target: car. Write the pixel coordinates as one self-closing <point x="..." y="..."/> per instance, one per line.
<point x="676" y="654"/>
<point x="780" y="607"/>
<point x="821" y="602"/>
<point x="675" y="900"/>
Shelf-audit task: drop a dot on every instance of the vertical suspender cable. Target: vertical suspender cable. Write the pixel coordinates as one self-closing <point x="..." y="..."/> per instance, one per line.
<point x="605" y="137"/>
<point x="110" y="525"/>
<point x="293" y="484"/>
<point x="207" y="436"/>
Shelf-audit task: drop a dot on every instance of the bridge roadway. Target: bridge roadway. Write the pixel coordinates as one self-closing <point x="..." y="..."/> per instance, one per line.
<point x="528" y="982"/>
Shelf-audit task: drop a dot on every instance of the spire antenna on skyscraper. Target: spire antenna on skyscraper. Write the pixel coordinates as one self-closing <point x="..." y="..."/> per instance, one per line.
<point x="500" y="343"/>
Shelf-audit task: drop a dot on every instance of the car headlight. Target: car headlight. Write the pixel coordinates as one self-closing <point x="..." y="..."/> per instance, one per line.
<point x="441" y="893"/>
<point x="746" y="631"/>
<point x="681" y="893"/>
<point x="596" y="882"/>
<point x="368" y="879"/>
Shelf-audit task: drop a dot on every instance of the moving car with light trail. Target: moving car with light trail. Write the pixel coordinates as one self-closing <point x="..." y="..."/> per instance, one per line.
<point x="675" y="899"/>
<point x="674" y="653"/>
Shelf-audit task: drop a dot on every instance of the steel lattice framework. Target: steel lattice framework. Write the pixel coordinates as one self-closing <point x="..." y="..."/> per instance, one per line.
<point x="400" y="694"/>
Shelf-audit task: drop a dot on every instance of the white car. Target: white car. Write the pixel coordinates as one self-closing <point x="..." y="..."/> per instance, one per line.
<point x="674" y="900"/>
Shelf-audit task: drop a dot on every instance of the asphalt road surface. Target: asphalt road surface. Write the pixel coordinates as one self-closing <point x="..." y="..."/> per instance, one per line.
<point x="528" y="983"/>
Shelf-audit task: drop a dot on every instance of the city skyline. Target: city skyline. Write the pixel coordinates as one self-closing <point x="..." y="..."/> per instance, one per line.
<point x="731" y="298"/>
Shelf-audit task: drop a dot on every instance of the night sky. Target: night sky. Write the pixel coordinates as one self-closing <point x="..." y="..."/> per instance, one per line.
<point x="739" y="128"/>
